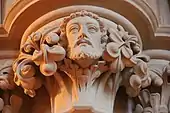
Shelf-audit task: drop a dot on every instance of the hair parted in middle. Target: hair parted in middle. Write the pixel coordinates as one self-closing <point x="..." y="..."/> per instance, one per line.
<point x="82" y="13"/>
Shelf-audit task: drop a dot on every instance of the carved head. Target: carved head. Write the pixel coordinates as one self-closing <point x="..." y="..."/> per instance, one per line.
<point x="85" y="33"/>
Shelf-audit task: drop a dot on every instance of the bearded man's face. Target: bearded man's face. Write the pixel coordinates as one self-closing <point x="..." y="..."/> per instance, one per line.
<point x="84" y="38"/>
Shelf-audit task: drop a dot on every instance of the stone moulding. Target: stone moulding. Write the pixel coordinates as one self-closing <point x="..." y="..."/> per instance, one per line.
<point x="15" y="11"/>
<point x="20" y="7"/>
<point x="158" y="27"/>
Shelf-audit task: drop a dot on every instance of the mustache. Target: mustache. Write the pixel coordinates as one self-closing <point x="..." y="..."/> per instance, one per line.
<point x="83" y="40"/>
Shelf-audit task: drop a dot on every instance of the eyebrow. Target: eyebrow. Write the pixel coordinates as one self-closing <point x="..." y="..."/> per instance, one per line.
<point x="92" y="23"/>
<point x="72" y="24"/>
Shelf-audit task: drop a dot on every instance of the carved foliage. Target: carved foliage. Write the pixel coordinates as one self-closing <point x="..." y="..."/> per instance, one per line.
<point x="39" y="51"/>
<point x="123" y="54"/>
<point x="43" y="51"/>
<point x="150" y="103"/>
<point x="41" y="54"/>
<point x="119" y="50"/>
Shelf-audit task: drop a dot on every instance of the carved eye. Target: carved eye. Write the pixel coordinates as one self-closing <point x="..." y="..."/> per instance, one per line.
<point x="92" y="29"/>
<point x="74" y="29"/>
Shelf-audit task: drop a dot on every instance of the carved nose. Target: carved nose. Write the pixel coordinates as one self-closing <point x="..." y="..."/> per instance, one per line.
<point x="83" y="35"/>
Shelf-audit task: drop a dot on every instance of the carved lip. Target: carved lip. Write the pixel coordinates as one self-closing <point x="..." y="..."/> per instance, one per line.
<point x="83" y="41"/>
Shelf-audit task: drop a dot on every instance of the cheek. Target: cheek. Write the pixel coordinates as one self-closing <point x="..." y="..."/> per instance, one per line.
<point x="72" y="38"/>
<point x="96" y="38"/>
<point x="69" y="38"/>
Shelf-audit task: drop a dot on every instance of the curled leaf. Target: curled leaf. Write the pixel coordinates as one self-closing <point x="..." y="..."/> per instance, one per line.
<point x="56" y="53"/>
<point x="27" y="71"/>
<point x="37" y="57"/>
<point x="127" y="52"/>
<point x="135" y="81"/>
<point x="141" y="68"/>
<point x="114" y="35"/>
<point x="148" y="110"/>
<point x="113" y="49"/>
<point x="116" y="66"/>
<point x="28" y="48"/>
<point x="138" y="109"/>
<point x="144" y="97"/>
<point x="36" y="36"/>
<point x="155" y="100"/>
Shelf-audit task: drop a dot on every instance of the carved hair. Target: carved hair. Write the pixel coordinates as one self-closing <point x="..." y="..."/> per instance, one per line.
<point x="82" y="14"/>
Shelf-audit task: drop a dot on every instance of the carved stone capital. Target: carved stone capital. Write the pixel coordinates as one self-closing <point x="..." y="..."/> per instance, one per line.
<point x="82" y="59"/>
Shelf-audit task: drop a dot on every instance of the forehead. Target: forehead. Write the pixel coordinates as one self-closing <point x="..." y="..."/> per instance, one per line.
<point x="83" y="20"/>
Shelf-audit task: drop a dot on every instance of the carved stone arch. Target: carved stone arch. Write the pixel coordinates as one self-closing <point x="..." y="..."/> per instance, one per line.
<point x="21" y="10"/>
<point x="62" y="12"/>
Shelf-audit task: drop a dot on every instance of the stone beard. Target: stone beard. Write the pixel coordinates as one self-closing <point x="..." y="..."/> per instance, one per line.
<point x="84" y="38"/>
<point x="84" y="52"/>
